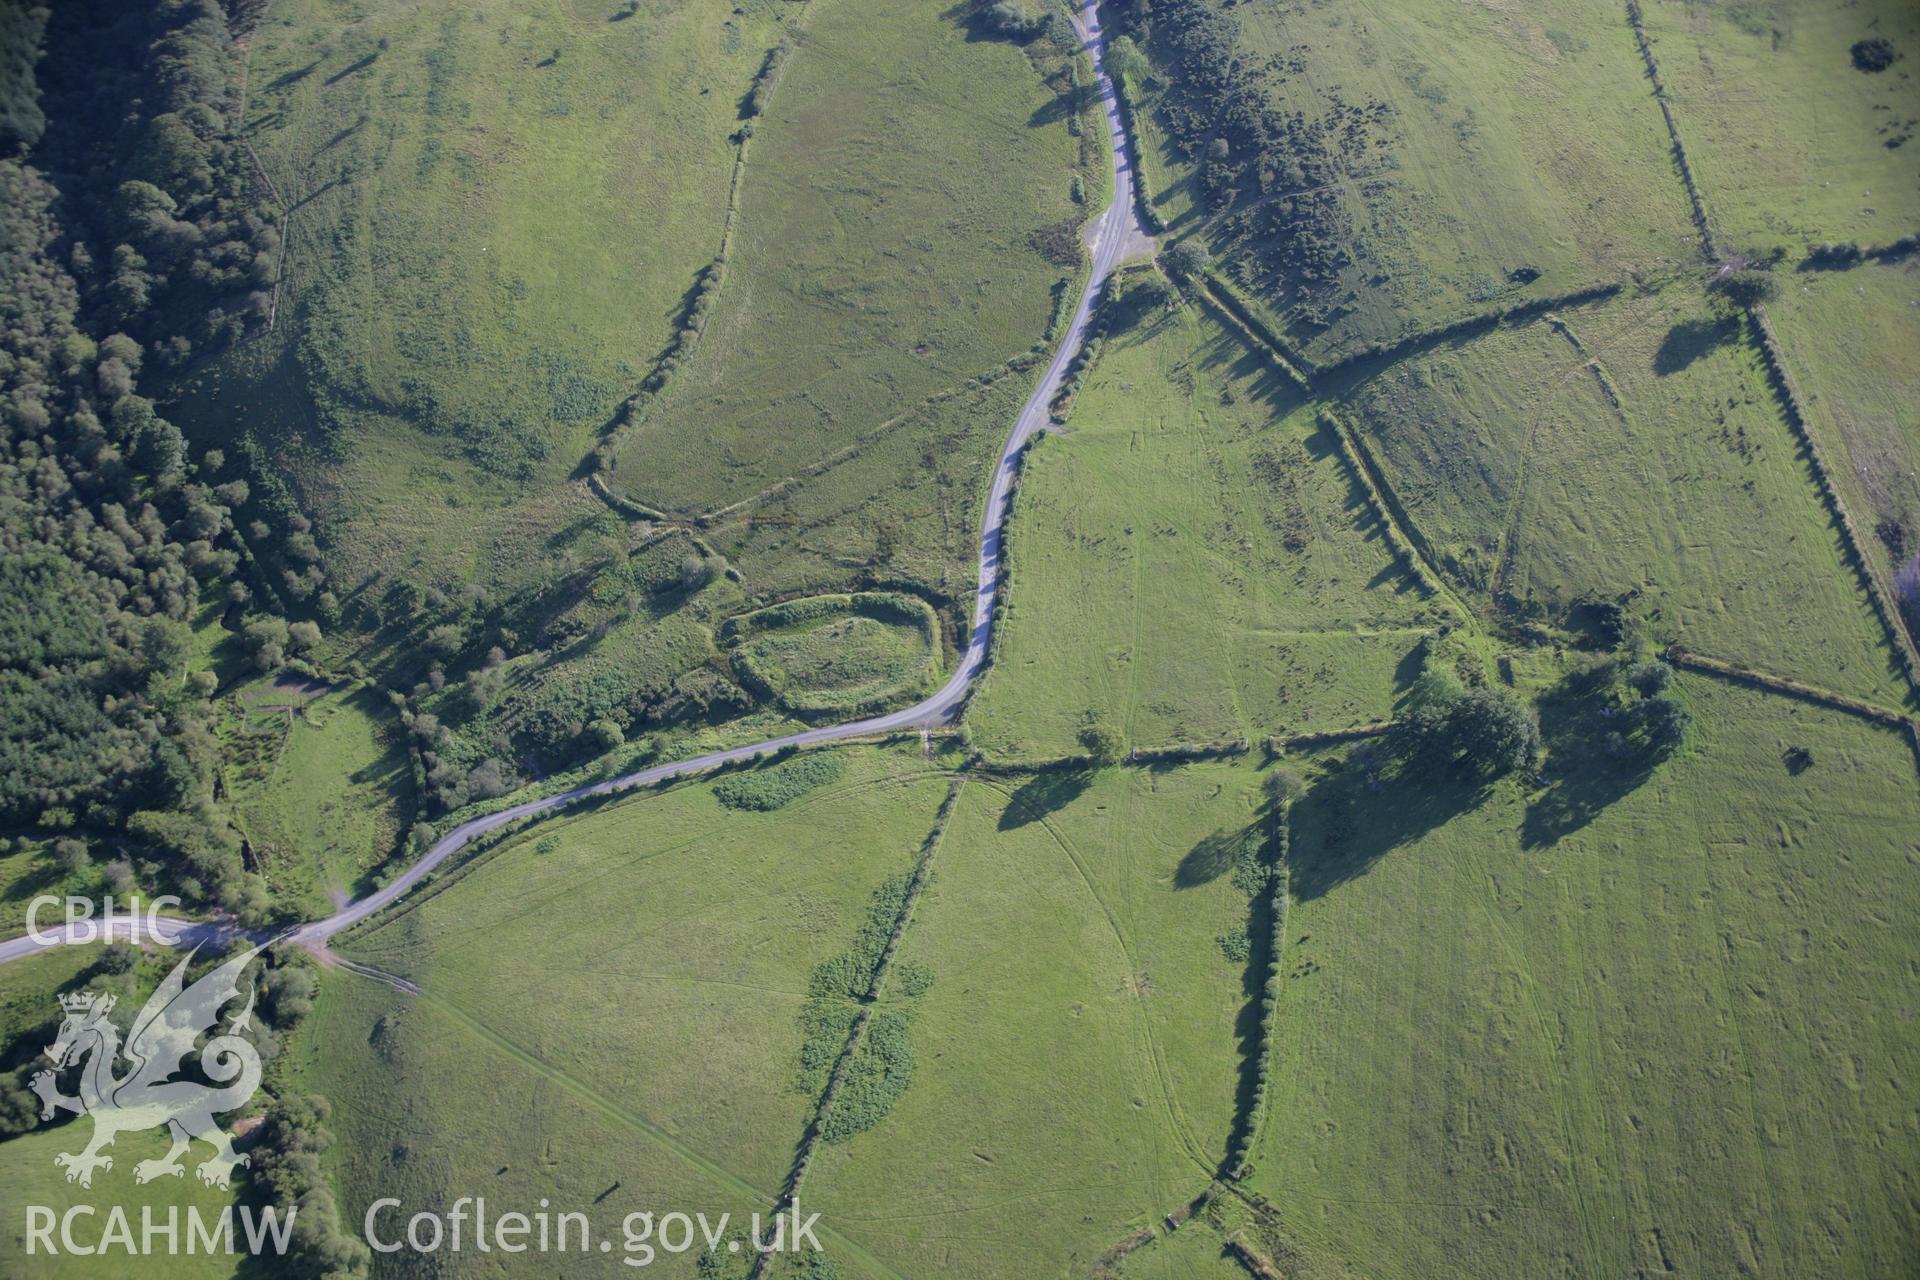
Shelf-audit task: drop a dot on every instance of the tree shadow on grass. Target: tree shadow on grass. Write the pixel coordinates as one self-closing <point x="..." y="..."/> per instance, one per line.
<point x="1689" y="340"/>
<point x="1247" y="1025"/>
<point x="1585" y="772"/>
<point x="1045" y="793"/>
<point x="1353" y="818"/>
<point x="41" y="879"/>
<point x="1207" y="861"/>
<point x="353" y="68"/>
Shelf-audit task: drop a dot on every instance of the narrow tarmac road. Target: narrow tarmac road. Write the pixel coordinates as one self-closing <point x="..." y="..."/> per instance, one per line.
<point x="1113" y="237"/>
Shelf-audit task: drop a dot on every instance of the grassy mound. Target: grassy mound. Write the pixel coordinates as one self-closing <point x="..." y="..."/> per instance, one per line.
<point x="838" y="654"/>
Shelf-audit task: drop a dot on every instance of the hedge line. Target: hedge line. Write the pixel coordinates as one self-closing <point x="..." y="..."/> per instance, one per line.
<point x="1239" y="315"/>
<point x="1322" y="737"/>
<point x="1130" y="120"/>
<point x="1219" y="748"/>
<point x="1680" y="161"/>
<point x="1794" y="411"/>
<point x="1837" y="255"/>
<point x="1740" y="672"/>
<point x="1467" y="326"/>
<point x="1404" y="548"/>
<point x="1240" y="1164"/>
<point x="707" y="284"/>
<point x="816" y="1128"/>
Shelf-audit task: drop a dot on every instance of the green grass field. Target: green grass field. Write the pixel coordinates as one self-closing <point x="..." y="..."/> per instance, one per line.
<point x="1850" y="336"/>
<point x="27" y="1003"/>
<point x="28" y="1176"/>
<point x="1671" y="1039"/>
<point x="650" y="960"/>
<point x="477" y="281"/>
<point x="642" y="367"/>
<point x="904" y="505"/>
<point x="1791" y="145"/>
<point x="430" y="1103"/>
<point x="883" y="251"/>
<point x="329" y="795"/>
<point x="1686" y="499"/>
<point x="499" y="209"/>
<point x="32" y="872"/>
<point x="1192" y="560"/>
<point x="1520" y="154"/>
<point x="1078" y="1053"/>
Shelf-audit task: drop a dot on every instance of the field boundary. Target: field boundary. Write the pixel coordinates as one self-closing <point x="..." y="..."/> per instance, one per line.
<point x="1178" y="752"/>
<point x="816" y="1126"/>
<point x="1130" y="117"/>
<point x="1792" y="406"/>
<point x="1257" y="1263"/>
<point x="1279" y="744"/>
<point x="1741" y="673"/>
<point x="1229" y="295"/>
<point x="1780" y="378"/>
<point x="1279" y="899"/>
<point x="1021" y="363"/>
<point x="1408" y="546"/>
<point x="1680" y="162"/>
<point x="710" y="279"/>
<point x="1233" y="316"/>
<point x="484" y="844"/>
<point x="1470" y="326"/>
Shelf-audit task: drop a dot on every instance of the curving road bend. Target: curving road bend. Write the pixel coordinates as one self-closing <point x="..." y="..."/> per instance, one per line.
<point x="1113" y="237"/>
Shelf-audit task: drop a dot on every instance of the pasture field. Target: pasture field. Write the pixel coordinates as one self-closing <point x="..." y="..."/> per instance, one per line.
<point x="840" y="654"/>
<point x="27" y="1002"/>
<point x="1661" y="1024"/>
<point x="1191" y="560"/>
<point x="903" y="505"/>
<point x="497" y="210"/>
<point x="1078" y="1053"/>
<point x="1633" y="452"/>
<point x="430" y="1103"/>
<point x="1850" y="337"/>
<point x="885" y="250"/>
<point x="329" y="797"/>
<point x="28" y="1176"/>
<point x="1476" y="155"/>
<point x="1791" y="144"/>
<point x="641" y="959"/>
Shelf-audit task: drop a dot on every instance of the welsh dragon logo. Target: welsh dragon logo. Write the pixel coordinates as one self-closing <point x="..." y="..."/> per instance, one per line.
<point x="148" y="1096"/>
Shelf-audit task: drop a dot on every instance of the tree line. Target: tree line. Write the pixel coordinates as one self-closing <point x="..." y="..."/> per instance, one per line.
<point x="128" y="223"/>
